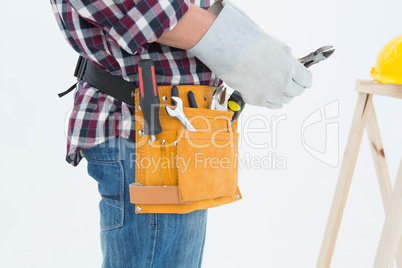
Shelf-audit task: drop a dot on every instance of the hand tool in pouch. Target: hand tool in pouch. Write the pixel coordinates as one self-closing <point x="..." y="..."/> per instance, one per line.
<point x="179" y="114"/>
<point x="220" y="98"/>
<point x="236" y="104"/>
<point x="174" y="93"/>
<point x="149" y="98"/>
<point x="315" y="57"/>
<point x="191" y="100"/>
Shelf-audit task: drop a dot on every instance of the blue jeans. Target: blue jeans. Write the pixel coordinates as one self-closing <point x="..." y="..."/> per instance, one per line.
<point x="139" y="240"/>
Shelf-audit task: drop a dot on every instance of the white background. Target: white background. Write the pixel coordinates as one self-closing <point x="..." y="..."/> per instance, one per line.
<point x="48" y="209"/>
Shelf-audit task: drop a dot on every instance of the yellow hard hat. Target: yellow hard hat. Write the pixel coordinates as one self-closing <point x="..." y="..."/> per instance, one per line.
<point x="388" y="69"/>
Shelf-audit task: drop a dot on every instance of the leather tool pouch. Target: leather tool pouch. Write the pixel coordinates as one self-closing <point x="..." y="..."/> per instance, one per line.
<point x="184" y="170"/>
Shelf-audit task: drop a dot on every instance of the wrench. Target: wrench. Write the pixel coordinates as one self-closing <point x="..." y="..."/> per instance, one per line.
<point x="179" y="114"/>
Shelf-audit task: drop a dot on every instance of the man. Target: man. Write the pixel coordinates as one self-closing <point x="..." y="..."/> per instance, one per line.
<point x="189" y="45"/>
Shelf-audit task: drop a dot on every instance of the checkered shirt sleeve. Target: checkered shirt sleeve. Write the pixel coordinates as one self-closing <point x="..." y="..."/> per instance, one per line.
<point x="131" y="24"/>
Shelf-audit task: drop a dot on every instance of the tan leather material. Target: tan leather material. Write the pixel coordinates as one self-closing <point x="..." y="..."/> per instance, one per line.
<point x="209" y="168"/>
<point x="202" y="164"/>
<point x="155" y="195"/>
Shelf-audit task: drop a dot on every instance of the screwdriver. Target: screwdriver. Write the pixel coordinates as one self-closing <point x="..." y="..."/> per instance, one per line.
<point x="149" y="98"/>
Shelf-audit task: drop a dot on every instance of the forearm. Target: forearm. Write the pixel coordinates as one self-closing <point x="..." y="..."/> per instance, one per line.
<point x="190" y="29"/>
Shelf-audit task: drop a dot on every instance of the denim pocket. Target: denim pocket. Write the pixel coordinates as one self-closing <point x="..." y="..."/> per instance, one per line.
<point x="105" y="166"/>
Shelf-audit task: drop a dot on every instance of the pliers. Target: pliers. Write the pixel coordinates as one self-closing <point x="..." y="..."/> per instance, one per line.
<point x="315" y="57"/>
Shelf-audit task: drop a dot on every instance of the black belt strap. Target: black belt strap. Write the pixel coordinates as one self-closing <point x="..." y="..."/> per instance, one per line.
<point x="107" y="83"/>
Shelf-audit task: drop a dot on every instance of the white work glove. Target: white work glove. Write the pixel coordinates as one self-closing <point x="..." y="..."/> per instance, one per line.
<point x="249" y="60"/>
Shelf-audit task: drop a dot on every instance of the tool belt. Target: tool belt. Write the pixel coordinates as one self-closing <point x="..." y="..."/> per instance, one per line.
<point x="181" y="170"/>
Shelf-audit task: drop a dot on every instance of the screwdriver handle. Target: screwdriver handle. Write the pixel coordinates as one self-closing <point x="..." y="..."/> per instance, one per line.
<point x="174" y="93"/>
<point x="149" y="97"/>
<point x="191" y="99"/>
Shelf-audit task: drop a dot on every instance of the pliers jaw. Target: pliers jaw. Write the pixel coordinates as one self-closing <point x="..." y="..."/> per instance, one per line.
<point x="315" y="57"/>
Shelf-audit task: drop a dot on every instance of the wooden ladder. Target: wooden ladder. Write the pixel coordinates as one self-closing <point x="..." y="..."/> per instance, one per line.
<point x="365" y="118"/>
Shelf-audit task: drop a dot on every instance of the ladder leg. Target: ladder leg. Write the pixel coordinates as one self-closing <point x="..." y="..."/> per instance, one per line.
<point x="363" y="107"/>
<point x="381" y="167"/>
<point x="392" y="230"/>
<point x="380" y="163"/>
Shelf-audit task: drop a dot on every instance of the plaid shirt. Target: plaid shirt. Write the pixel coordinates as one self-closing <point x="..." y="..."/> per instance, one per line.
<point x="115" y="35"/>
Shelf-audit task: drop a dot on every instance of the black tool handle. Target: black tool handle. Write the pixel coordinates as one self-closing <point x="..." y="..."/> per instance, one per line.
<point x="191" y="100"/>
<point x="149" y="97"/>
<point x="236" y="104"/>
<point x="175" y="93"/>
